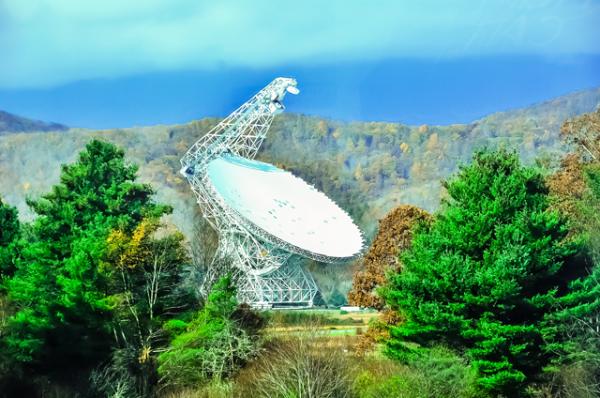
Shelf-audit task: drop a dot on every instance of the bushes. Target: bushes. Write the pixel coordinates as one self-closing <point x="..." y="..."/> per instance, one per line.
<point x="215" y="389"/>
<point x="577" y="380"/>
<point x="446" y="374"/>
<point x="399" y="385"/>
<point x="301" y="366"/>
<point x="214" y="344"/>
<point x="437" y="373"/>
<point x="314" y="364"/>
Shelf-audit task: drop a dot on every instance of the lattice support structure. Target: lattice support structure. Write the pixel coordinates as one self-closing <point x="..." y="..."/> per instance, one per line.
<point x="287" y="285"/>
<point x="259" y="263"/>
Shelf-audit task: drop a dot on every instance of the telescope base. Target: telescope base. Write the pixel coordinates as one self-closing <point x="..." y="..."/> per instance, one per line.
<point x="288" y="286"/>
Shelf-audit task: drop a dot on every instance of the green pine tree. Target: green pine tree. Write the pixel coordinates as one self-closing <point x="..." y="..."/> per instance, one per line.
<point x="58" y="289"/>
<point x="9" y="235"/>
<point x="483" y="277"/>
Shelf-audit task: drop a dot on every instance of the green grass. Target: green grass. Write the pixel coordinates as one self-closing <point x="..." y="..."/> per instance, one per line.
<point x="282" y="318"/>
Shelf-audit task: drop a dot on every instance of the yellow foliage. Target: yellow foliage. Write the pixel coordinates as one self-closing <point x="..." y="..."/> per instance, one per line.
<point x="144" y="354"/>
<point x="130" y="251"/>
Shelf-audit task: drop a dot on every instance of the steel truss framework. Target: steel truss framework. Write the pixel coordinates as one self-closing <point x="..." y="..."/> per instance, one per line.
<point x="259" y="261"/>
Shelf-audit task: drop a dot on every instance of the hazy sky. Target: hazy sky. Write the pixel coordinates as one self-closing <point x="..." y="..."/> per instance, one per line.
<point x="51" y="46"/>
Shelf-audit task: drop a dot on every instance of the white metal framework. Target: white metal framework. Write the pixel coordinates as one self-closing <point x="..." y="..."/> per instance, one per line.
<point x="259" y="260"/>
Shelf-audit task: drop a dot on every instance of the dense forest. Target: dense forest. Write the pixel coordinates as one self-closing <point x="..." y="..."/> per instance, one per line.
<point x="368" y="168"/>
<point x="494" y="294"/>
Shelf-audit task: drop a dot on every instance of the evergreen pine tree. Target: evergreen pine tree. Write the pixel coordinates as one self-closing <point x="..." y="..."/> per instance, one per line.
<point x="9" y="235"/>
<point x="484" y="276"/>
<point x="58" y="289"/>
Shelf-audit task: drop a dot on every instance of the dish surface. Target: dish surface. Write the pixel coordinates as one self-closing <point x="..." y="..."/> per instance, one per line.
<point x="285" y="207"/>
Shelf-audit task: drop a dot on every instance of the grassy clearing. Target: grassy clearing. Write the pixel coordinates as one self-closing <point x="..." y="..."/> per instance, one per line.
<point x="328" y="321"/>
<point x="313" y="363"/>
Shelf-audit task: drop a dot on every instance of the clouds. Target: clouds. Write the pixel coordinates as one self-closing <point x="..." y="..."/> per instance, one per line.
<point x="50" y="42"/>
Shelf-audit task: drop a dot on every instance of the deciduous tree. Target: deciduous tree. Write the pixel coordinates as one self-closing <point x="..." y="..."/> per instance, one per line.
<point x="144" y="268"/>
<point x="394" y="236"/>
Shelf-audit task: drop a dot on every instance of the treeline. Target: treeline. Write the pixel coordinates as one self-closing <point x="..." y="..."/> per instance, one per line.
<point x="505" y="275"/>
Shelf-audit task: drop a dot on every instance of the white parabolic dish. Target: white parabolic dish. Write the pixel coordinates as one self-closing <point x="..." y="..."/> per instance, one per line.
<point x="285" y="207"/>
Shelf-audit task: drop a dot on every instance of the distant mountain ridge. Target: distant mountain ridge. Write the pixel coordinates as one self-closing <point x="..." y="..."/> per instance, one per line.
<point x="368" y="168"/>
<point x="10" y="123"/>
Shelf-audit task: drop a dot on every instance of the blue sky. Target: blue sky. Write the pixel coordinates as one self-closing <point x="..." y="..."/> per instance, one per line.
<point x="121" y="63"/>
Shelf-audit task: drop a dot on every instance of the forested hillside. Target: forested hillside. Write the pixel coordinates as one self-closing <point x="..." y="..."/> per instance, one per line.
<point x="367" y="167"/>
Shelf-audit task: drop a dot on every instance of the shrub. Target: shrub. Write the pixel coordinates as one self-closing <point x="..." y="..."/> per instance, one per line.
<point x="215" y="389"/>
<point x="302" y="366"/>
<point x="437" y="373"/>
<point x="215" y="343"/>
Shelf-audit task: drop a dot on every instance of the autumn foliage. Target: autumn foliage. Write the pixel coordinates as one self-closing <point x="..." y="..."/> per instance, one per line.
<point x="394" y="236"/>
<point x="567" y="184"/>
<point x="583" y="133"/>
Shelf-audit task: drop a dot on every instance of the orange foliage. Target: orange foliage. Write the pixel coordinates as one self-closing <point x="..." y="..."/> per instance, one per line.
<point x="394" y="236"/>
<point x="567" y="185"/>
<point x="378" y="331"/>
<point x="584" y="132"/>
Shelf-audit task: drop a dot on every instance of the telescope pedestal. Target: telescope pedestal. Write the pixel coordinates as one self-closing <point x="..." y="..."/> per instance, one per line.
<point x="265" y="276"/>
<point x="287" y="286"/>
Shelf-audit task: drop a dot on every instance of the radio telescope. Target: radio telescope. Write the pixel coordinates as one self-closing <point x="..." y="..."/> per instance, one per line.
<point x="263" y="214"/>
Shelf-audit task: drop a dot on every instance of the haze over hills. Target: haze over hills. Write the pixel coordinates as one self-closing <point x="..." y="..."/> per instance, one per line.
<point x="10" y="123"/>
<point x="367" y="167"/>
